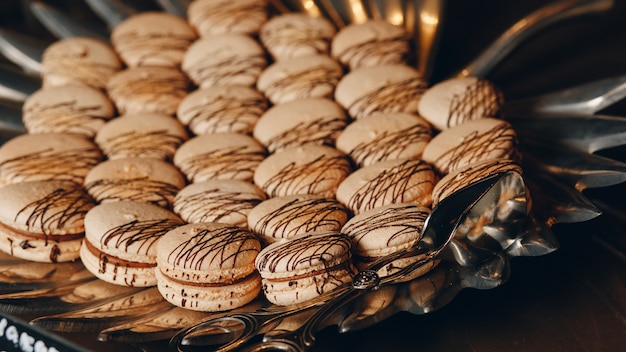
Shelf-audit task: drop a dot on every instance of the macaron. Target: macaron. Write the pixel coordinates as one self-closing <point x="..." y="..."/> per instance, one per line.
<point x="74" y="109"/>
<point x="232" y="156"/>
<point x="312" y="76"/>
<point x="282" y="218"/>
<point x="145" y="180"/>
<point x="222" y="109"/>
<point x="385" y="136"/>
<point x="47" y="157"/>
<point x="43" y="221"/>
<point x="148" y="89"/>
<point x="462" y="177"/>
<point x="309" y="169"/>
<point x="224" y="201"/>
<point x="224" y="60"/>
<point x="387" y="230"/>
<point x="208" y="267"/>
<point x="456" y="100"/>
<point x="148" y="135"/>
<point x="296" y="34"/>
<point x="388" y="182"/>
<point x="303" y="121"/>
<point x="152" y="39"/>
<point x="79" y="61"/>
<point x="371" y="43"/>
<point x="384" y="88"/>
<point x="214" y="17"/>
<point x="305" y="267"/>
<point x="120" y="241"/>
<point x="471" y="142"/>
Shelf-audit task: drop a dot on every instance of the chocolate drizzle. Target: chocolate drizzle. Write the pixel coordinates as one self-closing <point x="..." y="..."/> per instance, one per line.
<point x="220" y="247"/>
<point x="49" y="164"/>
<point x="498" y="141"/>
<point x="226" y="114"/>
<point x="321" y="131"/>
<point x="409" y="181"/>
<point x="216" y="205"/>
<point x="140" y="49"/>
<point x="67" y="116"/>
<point x="302" y="215"/>
<point x="229" y="16"/>
<point x="391" y="145"/>
<point x="480" y="99"/>
<point x="141" y="189"/>
<point x="160" y="144"/>
<point x="77" y="65"/>
<point x="314" y="81"/>
<point x="391" y="51"/>
<point x="229" y="70"/>
<point x="320" y="176"/>
<point x="143" y="232"/>
<point x="395" y="97"/>
<point x="236" y="163"/>
<point x="291" y="37"/>
<point x="399" y="222"/>
<point x="58" y="210"/>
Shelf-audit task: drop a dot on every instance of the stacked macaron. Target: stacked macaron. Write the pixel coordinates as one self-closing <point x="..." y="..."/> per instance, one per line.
<point x="237" y="152"/>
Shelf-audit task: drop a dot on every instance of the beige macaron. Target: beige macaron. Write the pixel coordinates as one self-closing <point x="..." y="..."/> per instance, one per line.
<point x="152" y="39"/>
<point x="388" y="182"/>
<point x="208" y="267"/>
<point x="299" y="122"/>
<point x="225" y="201"/>
<point x="309" y="169"/>
<point x="232" y="156"/>
<point x="214" y="17"/>
<point x="305" y="267"/>
<point x="45" y="157"/>
<point x="296" y="34"/>
<point x="385" y="88"/>
<point x="462" y="177"/>
<point x="148" y="89"/>
<point x="145" y="180"/>
<point x="282" y="218"/>
<point x="43" y="221"/>
<point x="387" y="230"/>
<point x="148" y="135"/>
<point x="456" y="100"/>
<point x="371" y="43"/>
<point x="120" y="241"/>
<point x="385" y="136"/>
<point x="224" y="60"/>
<point x="312" y="76"/>
<point x="72" y="109"/>
<point x="79" y="61"/>
<point x="222" y="109"/>
<point x="471" y="142"/>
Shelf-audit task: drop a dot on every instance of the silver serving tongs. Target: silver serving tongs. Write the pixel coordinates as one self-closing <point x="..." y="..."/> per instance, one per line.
<point x="234" y="331"/>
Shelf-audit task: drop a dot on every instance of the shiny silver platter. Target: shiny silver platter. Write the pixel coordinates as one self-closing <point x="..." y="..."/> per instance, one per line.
<point x="562" y="134"/>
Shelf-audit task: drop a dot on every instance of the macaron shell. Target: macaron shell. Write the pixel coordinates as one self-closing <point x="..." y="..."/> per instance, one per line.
<point x="385" y="88"/>
<point x="454" y="101"/>
<point x="385" y="136"/>
<point x="304" y="77"/>
<point x="79" y="60"/>
<point x="225" y="201"/>
<point x="117" y="273"/>
<point x="471" y="142"/>
<point x="136" y="179"/>
<point x="208" y="253"/>
<point x="47" y="157"/>
<point x="282" y="218"/>
<point x="388" y="182"/>
<point x="224" y="60"/>
<point x="142" y="136"/>
<point x="310" y="169"/>
<point x="222" y="109"/>
<point x="152" y="39"/>
<point x="213" y="17"/>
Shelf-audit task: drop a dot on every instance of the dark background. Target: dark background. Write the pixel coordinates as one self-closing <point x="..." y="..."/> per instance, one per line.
<point x="571" y="300"/>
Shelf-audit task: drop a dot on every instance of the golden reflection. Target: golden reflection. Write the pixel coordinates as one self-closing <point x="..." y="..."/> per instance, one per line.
<point x="358" y="11"/>
<point x="311" y="8"/>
